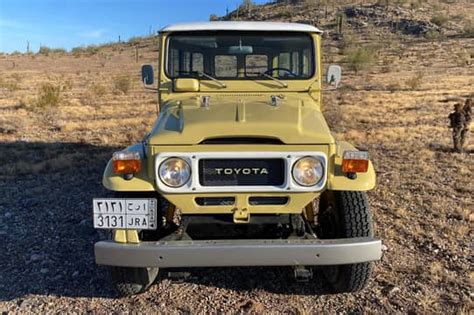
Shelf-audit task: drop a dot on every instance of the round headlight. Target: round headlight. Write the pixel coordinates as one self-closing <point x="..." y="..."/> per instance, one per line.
<point x="174" y="172"/>
<point x="308" y="171"/>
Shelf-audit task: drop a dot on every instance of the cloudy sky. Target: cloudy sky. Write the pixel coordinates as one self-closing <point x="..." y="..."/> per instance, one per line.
<point x="71" y="23"/>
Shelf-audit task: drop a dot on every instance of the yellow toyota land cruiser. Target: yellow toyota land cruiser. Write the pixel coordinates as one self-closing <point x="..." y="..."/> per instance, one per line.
<point x="240" y="168"/>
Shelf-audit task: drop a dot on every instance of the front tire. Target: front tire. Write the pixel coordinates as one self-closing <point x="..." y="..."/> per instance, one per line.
<point x="345" y="214"/>
<point x="130" y="281"/>
<point x="134" y="280"/>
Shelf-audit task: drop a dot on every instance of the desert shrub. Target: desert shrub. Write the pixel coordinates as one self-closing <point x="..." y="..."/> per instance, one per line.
<point x="469" y="29"/>
<point x="246" y="5"/>
<point x="394" y="87"/>
<point x="58" y="50"/>
<point x="7" y="85"/>
<point x="360" y="58"/>
<point x="439" y="19"/>
<point x="122" y="83"/>
<point x="415" y="82"/>
<point x="97" y="90"/>
<point x="346" y="44"/>
<point x="312" y="3"/>
<point x="91" y="50"/>
<point x="67" y="85"/>
<point x="44" y="50"/>
<point x="17" y="77"/>
<point x="135" y="40"/>
<point x="386" y="68"/>
<point x="49" y="95"/>
<point x="463" y="58"/>
<point x="432" y="35"/>
<point x="77" y="51"/>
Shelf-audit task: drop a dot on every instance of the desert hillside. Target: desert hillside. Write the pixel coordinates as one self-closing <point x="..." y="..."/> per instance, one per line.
<point x="405" y="63"/>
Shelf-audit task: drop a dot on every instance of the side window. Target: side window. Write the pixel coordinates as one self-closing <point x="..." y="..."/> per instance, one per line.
<point x="197" y="62"/>
<point x="255" y="64"/>
<point x="226" y="66"/>
<point x="185" y="64"/>
<point x="295" y="62"/>
<point x="306" y="62"/>
<point x="174" y="64"/>
<point x="284" y="61"/>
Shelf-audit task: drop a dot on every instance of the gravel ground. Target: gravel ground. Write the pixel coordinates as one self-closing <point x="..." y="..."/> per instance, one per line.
<point x="48" y="262"/>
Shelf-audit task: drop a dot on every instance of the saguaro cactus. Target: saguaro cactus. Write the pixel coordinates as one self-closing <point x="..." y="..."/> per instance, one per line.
<point x="340" y="23"/>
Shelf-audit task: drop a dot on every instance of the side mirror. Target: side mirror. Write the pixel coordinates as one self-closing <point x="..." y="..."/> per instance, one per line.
<point x="333" y="75"/>
<point x="147" y="74"/>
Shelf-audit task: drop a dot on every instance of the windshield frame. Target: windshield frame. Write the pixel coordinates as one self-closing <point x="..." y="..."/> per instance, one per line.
<point x="313" y="71"/>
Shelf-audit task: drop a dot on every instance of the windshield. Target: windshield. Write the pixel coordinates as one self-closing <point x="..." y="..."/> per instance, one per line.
<point x="241" y="55"/>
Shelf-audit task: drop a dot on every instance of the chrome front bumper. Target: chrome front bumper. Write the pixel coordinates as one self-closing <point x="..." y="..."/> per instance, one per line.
<point x="220" y="253"/>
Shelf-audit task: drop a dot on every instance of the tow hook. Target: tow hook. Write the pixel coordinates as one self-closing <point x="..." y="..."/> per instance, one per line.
<point x="303" y="274"/>
<point x="241" y="215"/>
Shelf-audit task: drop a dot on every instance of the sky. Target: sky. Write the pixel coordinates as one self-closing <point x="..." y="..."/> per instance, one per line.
<point x="72" y="23"/>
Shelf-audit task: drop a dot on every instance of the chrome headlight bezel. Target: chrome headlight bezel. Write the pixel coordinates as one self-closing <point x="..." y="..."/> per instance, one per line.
<point x="318" y="169"/>
<point x="186" y="171"/>
<point x="194" y="186"/>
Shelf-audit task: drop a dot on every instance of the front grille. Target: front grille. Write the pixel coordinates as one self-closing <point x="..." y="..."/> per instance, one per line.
<point x="242" y="172"/>
<point x="267" y="201"/>
<point x="215" y="201"/>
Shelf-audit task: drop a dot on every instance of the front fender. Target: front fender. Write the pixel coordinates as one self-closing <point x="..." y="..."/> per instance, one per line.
<point x="139" y="182"/>
<point x="337" y="180"/>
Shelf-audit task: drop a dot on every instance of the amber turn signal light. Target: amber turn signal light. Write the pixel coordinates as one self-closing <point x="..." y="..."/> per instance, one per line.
<point x="355" y="162"/>
<point x="126" y="162"/>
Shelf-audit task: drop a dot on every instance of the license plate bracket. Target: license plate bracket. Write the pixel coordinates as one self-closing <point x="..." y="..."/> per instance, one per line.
<point x="125" y="213"/>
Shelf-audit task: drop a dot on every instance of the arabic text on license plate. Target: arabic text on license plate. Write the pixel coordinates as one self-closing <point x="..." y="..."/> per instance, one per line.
<point x="140" y="214"/>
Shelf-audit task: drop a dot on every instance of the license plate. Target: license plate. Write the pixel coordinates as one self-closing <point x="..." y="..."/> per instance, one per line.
<point x="118" y="213"/>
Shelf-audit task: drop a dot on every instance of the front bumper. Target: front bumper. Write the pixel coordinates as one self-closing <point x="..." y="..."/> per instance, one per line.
<point x="220" y="253"/>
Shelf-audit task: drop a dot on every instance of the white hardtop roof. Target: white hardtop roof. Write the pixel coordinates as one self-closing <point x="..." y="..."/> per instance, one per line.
<point x="241" y="26"/>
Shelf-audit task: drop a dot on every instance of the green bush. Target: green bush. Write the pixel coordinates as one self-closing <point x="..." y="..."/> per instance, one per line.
<point x="77" y="51"/>
<point x="49" y="95"/>
<point x="360" y="58"/>
<point x="432" y="35"/>
<point x="122" y="84"/>
<point x="439" y="19"/>
<point x="91" y="49"/>
<point x="58" y="50"/>
<point x="44" y="50"/>
<point x="469" y="29"/>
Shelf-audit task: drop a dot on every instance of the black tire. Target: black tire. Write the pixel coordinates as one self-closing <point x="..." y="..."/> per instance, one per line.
<point x="130" y="281"/>
<point x="345" y="214"/>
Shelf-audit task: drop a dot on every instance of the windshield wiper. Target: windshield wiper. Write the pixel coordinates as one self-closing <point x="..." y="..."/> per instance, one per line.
<point x="203" y="74"/>
<point x="222" y="84"/>
<point x="283" y="84"/>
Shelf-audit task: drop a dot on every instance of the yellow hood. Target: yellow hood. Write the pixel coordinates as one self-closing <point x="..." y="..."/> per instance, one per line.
<point x="294" y="121"/>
